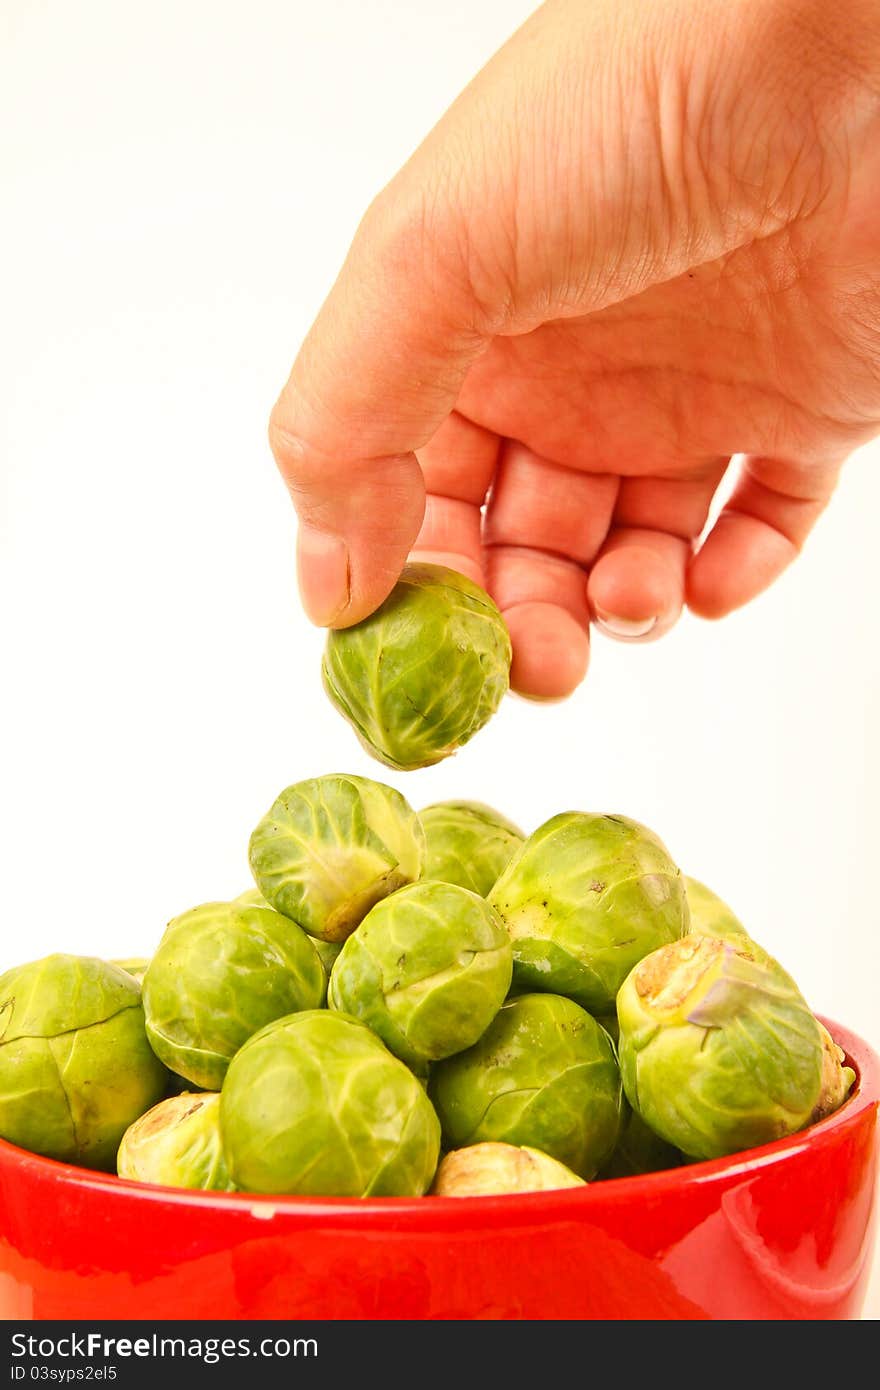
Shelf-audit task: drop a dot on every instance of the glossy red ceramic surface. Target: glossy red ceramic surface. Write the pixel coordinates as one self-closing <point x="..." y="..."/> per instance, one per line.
<point x="784" y="1231"/>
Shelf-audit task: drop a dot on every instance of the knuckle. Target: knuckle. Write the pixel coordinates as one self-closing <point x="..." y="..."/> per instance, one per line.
<point x="420" y="231"/>
<point x="287" y="445"/>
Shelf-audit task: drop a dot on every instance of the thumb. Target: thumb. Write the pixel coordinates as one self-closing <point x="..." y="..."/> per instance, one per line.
<point x="604" y="148"/>
<point x="378" y="373"/>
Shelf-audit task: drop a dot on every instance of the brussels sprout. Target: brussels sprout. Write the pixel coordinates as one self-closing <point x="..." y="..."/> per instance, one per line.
<point x="610" y="1024"/>
<point x="543" y="1075"/>
<point x="221" y="972"/>
<point x="328" y="953"/>
<point x="252" y="897"/>
<point x="315" y="1104"/>
<point x="177" y="1085"/>
<point x="331" y="847"/>
<point x="467" y="843"/>
<point x="639" y="1149"/>
<point x="583" y="900"/>
<point x="177" y="1144"/>
<point x="484" y="1170"/>
<point x="710" y="915"/>
<point x="424" y="673"/>
<point x="427" y="969"/>
<point x="718" y="1050"/>
<point x="837" y="1077"/>
<point x="135" y="966"/>
<point x="75" y="1065"/>
<point x="327" y="950"/>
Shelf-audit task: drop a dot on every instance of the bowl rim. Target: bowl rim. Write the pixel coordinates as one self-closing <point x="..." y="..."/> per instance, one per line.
<point x="572" y="1203"/>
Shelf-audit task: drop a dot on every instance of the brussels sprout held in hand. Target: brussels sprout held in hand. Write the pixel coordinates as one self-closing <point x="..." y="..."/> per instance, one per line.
<point x="424" y="673"/>
<point x="75" y="1065"/>
<point x="427" y="969"/>
<point x="222" y="972"/>
<point x="543" y="1075"/>
<point x="331" y="847"/>
<point x="315" y="1104"/>
<point x="583" y="900"/>
<point x="177" y="1144"/>
<point x="718" y="1049"/>
<point x="468" y="843"/>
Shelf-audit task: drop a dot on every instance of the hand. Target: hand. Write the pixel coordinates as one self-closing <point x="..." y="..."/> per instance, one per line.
<point x="645" y="239"/>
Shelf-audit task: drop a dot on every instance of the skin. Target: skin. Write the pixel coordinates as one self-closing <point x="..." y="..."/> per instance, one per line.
<point x="645" y="239"/>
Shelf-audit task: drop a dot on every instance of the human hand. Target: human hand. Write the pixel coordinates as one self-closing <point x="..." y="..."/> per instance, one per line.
<point x="645" y="239"/>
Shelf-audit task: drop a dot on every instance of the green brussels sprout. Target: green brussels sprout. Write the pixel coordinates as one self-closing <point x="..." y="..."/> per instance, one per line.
<point x="610" y="1024"/>
<point x="327" y="950"/>
<point x="315" y="1104"/>
<point x="177" y="1144"/>
<point x="710" y="915"/>
<point x="252" y="897"/>
<point x="718" y="1050"/>
<point x="837" y="1077"/>
<point x="639" y="1149"/>
<point x="331" y="847"/>
<point x="222" y="972"/>
<point x="421" y="675"/>
<point x="177" y="1085"/>
<point x="485" y="1170"/>
<point x="543" y="1075"/>
<point x="583" y="900"/>
<point x="427" y="969"/>
<point x="75" y="1065"/>
<point x="468" y="844"/>
<point x="136" y="966"/>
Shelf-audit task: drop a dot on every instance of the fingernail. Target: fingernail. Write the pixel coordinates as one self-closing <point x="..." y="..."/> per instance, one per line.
<point x="624" y="627"/>
<point x="324" y="574"/>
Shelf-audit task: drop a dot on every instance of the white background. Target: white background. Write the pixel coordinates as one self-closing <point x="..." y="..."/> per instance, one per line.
<point x="179" y="186"/>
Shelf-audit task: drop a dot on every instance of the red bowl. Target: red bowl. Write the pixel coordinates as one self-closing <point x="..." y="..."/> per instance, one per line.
<point x="783" y="1231"/>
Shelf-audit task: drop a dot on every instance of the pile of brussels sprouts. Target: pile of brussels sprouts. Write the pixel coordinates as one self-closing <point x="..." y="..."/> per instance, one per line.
<point x="409" y="1003"/>
<point x="412" y="1004"/>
